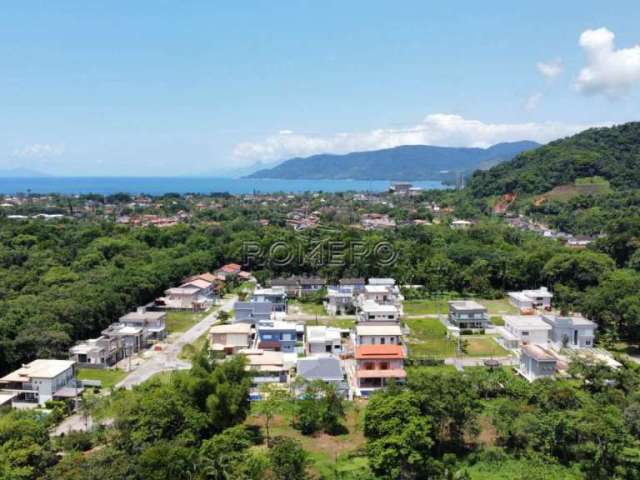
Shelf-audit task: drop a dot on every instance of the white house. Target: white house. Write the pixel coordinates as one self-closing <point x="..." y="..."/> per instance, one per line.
<point x="378" y="335"/>
<point x="339" y="300"/>
<point x="536" y="362"/>
<point x="323" y="340"/>
<point x="527" y="328"/>
<point x="372" y="312"/>
<point x="229" y="338"/>
<point x="571" y="331"/>
<point x="531" y="299"/>
<point x="42" y="380"/>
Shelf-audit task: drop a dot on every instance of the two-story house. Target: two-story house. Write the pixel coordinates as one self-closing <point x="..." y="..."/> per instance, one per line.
<point x="531" y="299"/>
<point x="323" y="340"/>
<point x="276" y="296"/>
<point x="378" y="335"/>
<point x="536" y="362"/>
<point x="277" y="335"/>
<point x="229" y="338"/>
<point x="252" y="312"/>
<point x="571" y="331"/>
<point x="371" y="312"/>
<point x="376" y="365"/>
<point x="98" y="352"/>
<point x="468" y="315"/>
<point x="525" y="329"/>
<point x="153" y="324"/>
<point x="339" y="300"/>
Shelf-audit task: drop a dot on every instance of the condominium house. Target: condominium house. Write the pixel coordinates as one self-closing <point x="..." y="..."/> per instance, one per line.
<point x="378" y="335"/>
<point x="372" y="312"/>
<point x="153" y="324"/>
<point x="355" y="284"/>
<point x="531" y="299"/>
<point x="291" y="285"/>
<point x="525" y="329"/>
<point x="536" y="362"/>
<point x="40" y="381"/>
<point x="131" y="338"/>
<point x="296" y="286"/>
<point x="276" y="296"/>
<point x="327" y="369"/>
<point x="252" y="312"/>
<point x="467" y="314"/>
<point x="571" y="331"/>
<point x="340" y="300"/>
<point x="206" y="288"/>
<point x="195" y="295"/>
<point x="376" y="365"/>
<point x="228" y="271"/>
<point x="229" y="338"/>
<point x="276" y="335"/>
<point x="311" y="284"/>
<point x="323" y="340"/>
<point x="266" y="367"/>
<point x="98" y="352"/>
<point x="383" y="295"/>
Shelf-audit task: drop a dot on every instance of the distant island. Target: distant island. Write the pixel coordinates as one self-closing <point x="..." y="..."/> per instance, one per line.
<point x="409" y="162"/>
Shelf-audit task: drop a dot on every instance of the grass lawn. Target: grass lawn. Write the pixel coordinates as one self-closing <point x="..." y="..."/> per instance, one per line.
<point x="329" y="454"/>
<point x="484" y="346"/>
<point x="498" y="307"/>
<point x="190" y="349"/>
<point x="335" y="322"/>
<point x="432" y="307"/>
<point x="432" y="369"/>
<point x="108" y="377"/>
<point x="498" y="321"/>
<point x="309" y="308"/>
<point x="428" y="339"/>
<point x="182" y="321"/>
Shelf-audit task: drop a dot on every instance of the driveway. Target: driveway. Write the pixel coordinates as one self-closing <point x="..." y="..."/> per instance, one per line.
<point x="167" y="359"/>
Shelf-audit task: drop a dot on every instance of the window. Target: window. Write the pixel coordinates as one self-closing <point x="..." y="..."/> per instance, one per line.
<point x="525" y="333"/>
<point x="384" y="365"/>
<point x="382" y="340"/>
<point x="368" y="366"/>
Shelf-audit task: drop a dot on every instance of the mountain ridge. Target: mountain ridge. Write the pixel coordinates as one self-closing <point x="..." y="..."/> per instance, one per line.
<point x="405" y="162"/>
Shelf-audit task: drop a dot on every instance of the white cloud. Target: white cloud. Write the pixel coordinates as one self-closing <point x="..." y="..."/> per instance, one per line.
<point x="436" y="129"/>
<point x="608" y="71"/>
<point x="533" y="101"/>
<point x="550" y="69"/>
<point x="39" y="150"/>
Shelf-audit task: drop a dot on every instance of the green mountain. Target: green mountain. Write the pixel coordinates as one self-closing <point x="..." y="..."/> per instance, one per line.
<point x="611" y="153"/>
<point x="409" y="162"/>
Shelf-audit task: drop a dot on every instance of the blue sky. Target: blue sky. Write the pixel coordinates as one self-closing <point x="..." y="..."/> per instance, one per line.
<point x="174" y="88"/>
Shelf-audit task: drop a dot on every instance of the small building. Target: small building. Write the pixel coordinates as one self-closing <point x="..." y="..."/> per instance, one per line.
<point x="229" y="338"/>
<point x="266" y="367"/>
<point x="527" y="328"/>
<point x="376" y="365"/>
<point x="276" y="335"/>
<point x="323" y="340"/>
<point x="531" y="299"/>
<point x="340" y="300"/>
<point x="468" y="315"/>
<point x="372" y="312"/>
<point x="401" y="188"/>
<point x="461" y="225"/>
<point x="571" y="331"/>
<point x="378" y="335"/>
<point x="536" y="362"/>
<point x="291" y="285"/>
<point x="98" y="352"/>
<point x="42" y="380"/>
<point x="389" y="282"/>
<point x="327" y="369"/>
<point x="252" y="312"/>
<point x="311" y="284"/>
<point x="131" y="338"/>
<point x="355" y="284"/>
<point x="276" y="296"/>
<point x="153" y="324"/>
<point x="228" y="271"/>
<point x="382" y="295"/>
<point x="184" y="298"/>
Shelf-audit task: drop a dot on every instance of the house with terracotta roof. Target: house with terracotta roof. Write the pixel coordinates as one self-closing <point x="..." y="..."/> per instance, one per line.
<point x="229" y="270"/>
<point x="377" y="365"/>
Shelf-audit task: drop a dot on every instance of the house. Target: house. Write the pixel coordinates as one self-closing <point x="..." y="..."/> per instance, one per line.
<point x="131" y="338"/>
<point x="376" y="365"/>
<point x="311" y="284"/>
<point x="187" y="297"/>
<point x="276" y="296"/>
<point x="400" y="188"/>
<point x="323" y="340"/>
<point x="527" y="329"/>
<point x="355" y="284"/>
<point x="266" y="367"/>
<point x="372" y="312"/>
<point x="276" y="335"/>
<point x="252" y="312"/>
<point x="389" y="282"/>
<point x="378" y="335"/>
<point x="327" y="369"/>
<point x="98" y="352"/>
<point x="377" y="221"/>
<point x="467" y="314"/>
<point x="228" y="271"/>
<point x="382" y="295"/>
<point x="571" y="331"/>
<point x="291" y="285"/>
<point x="153" y="324"/>
<point x="461" y="225"/>
<point x="531" y="299"/>
<point x="42" y="380"/>
<point x="536" y="362"/>
<point x="229" y="338"/>
<point x="339" y="300"/>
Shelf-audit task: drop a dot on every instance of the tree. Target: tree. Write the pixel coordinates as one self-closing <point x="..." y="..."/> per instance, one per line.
<point x="223" y="317"/>
<point x="274" y="400"/>
<point x="288" y="459"/>
<point x="222" y="455"/>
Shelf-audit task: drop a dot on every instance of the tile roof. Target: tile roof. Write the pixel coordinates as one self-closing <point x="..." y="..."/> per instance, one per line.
<point x="379" y="351"/>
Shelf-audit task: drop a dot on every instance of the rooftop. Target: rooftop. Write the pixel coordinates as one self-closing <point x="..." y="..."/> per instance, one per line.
<point x="320" y="333"/>
<point x="275" y="325"/>
<point x="466" y="305"/>
<point x="320" y="368"/>
<point x="382" y="281"/>
<point x="538" y="353"/>
<point x="378" y="330"/>
<point x="231" y="328"/>
<point x="142" y="316"/>
<point x="364" y="352"/>
<point x="532" y="322"/>
<point x="41" y="368"/>
<point x="573" y="320"/>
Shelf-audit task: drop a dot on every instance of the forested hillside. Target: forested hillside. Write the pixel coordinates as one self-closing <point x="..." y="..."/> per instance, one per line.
<point x="612" y="153"/>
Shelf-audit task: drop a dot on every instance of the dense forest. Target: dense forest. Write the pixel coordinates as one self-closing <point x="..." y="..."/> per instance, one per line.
<point x="612" y="153"/>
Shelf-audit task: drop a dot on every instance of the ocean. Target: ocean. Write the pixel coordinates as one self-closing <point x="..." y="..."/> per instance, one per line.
<point x="203" y="185"/>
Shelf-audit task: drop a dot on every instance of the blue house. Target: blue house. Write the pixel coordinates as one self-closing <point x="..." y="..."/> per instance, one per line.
<point x="277" y="335"/>
<point x="252" y="312"/>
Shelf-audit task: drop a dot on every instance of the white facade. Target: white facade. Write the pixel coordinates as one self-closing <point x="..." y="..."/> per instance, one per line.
<point x="323" y="340"/>
<point x="531" y="299"/>
<point x="528" y="329"/>
<point x="378" y="335"/>
<point x="372" y="312"/>
<point x="40" y="380"/>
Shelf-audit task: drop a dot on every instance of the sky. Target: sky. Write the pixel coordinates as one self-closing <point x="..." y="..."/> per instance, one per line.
<point x="164" y="88"/>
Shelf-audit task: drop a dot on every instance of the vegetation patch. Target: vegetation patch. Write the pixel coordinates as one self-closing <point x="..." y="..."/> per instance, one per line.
<point x="108" y="377"/>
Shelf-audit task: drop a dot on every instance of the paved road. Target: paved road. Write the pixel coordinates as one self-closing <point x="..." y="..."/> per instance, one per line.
<point x="167" y="359"/>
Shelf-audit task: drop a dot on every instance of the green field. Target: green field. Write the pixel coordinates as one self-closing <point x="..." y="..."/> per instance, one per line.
<point x="429" y="339"/>
<point x="183" y="321"/>
<point x="432" y="307"/>
<point x="484" y="346"/>
<point x="347" y="322"/>
<point x="309" y="308"/>
<point x="108" y="377"/>
<point x="510" y="469"/>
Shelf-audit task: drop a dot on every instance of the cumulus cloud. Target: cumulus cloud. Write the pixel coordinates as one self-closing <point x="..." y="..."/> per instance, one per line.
<point x="436" y="129"/>
<point x="39" y="150"/>
<point x="608" y="71"/>
<point x="533" y="101"/>
<point x="550" y="69"/>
